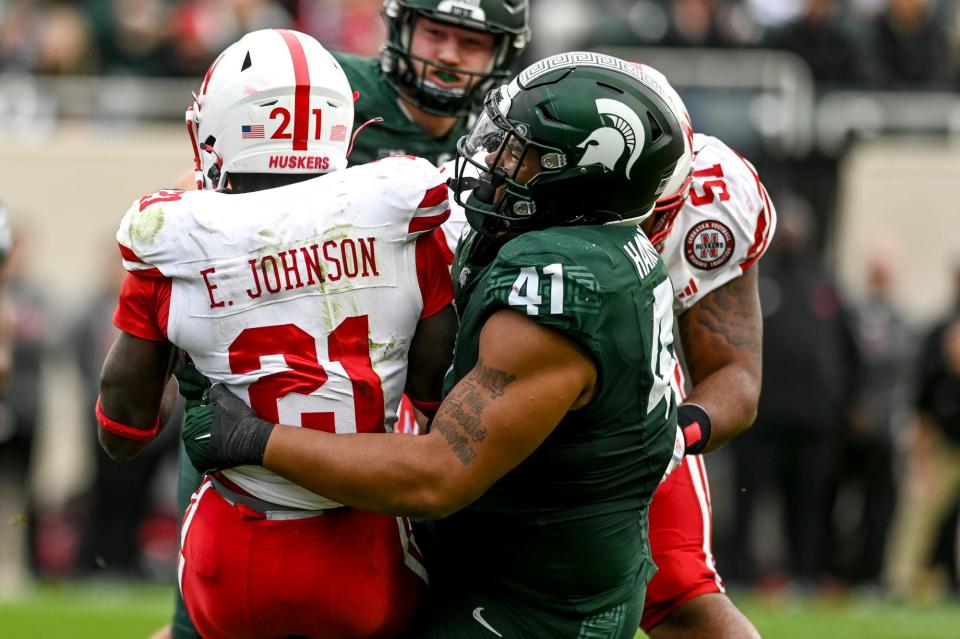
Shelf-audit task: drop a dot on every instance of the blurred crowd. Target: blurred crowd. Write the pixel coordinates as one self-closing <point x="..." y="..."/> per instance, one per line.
<point x="885" y="44"/>
<point x="850" y="476"/>
<point x="877" y="44"/>
<point x="165" y="37"/>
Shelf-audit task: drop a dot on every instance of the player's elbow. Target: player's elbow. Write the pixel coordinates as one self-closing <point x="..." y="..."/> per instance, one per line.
<point x="118" y="448"/>
<point x="438" y="498"/>
<point x="749" y="417"/>
<point x="437" y="505"/>
<point x="749" y="402"/>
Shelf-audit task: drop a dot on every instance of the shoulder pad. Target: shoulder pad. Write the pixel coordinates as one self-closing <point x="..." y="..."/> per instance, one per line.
<point x="415" y="186"/>
<point x="727" y="191"/>
<point x="724" y="227"/>
<point x="143" y="233"/>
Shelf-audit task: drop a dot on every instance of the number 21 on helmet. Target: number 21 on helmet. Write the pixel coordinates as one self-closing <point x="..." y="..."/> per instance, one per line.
<point x="275" y="101"/>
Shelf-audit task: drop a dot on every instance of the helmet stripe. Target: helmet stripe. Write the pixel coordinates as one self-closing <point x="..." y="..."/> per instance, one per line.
<point x="301" y="105"/>
<point x="206" y="78"/>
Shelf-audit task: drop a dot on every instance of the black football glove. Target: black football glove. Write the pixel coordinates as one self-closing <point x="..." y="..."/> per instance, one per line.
<point x="224" y="432"/>
<point x="192" y="383"/>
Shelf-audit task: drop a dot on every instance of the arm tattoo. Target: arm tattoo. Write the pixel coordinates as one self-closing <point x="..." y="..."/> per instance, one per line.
<point x="459" y="443"/>
<point x="493" y="379"/>
<point x="725" y="319"/>
<point x="460" y="420"/>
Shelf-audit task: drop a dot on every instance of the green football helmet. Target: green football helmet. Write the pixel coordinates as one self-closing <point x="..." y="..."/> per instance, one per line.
<point x="576" y="138"/>
<point x="506" y="19"/>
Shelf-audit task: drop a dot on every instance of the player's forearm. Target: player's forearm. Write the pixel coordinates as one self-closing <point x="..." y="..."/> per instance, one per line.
<point x="722" y="338"/>
<point x="730" y="397"/>
<point x="378" y="472"/>
<point x="132" y="386"/>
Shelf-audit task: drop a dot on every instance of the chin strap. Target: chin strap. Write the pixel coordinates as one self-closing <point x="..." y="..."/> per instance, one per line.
<point x="191" y="122"/>
<point x="376" y="120"/>
<point x="215" y="174"/>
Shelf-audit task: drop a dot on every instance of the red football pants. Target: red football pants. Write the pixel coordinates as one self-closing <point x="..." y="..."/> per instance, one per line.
<point x="680" y="539"/>
<point x="343" y="574"/>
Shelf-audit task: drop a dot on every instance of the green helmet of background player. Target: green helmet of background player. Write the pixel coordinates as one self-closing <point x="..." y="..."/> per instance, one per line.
<point x="585" y="138"/>
<point x="506" y="19"/>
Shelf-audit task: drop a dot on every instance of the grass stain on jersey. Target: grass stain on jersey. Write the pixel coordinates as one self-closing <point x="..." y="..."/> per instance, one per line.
<point x="385" y="351"/>
<point x="338" y="232"/>
<point x="147" y="225"/>
<point x="271" y="242"/>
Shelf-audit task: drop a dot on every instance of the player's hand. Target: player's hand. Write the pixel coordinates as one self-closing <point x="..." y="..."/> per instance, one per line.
<point x="193" y="384"/>
<point x="679" y="450"/>
<point x="224" y="432"/>
<point x="196" y="431"/>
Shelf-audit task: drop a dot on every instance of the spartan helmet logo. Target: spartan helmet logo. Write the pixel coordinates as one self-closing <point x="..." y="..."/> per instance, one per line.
<point x="607" y="144"/>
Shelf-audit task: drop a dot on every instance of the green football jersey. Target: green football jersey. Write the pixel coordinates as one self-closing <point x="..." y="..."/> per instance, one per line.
<point x="397" y="134"/>
<point x="567" y="529"/>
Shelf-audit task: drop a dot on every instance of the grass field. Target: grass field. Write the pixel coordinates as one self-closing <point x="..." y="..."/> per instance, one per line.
<point x="77" y="611"/>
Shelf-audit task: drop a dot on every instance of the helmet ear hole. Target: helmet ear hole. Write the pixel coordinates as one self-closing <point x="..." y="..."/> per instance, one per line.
<point x="548" y="113"/>
<point x="655" y="130"/>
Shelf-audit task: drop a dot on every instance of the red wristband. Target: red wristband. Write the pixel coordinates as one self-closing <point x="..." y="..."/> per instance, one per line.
<point x="129" y="432"/>
<point x="427" y="408"/>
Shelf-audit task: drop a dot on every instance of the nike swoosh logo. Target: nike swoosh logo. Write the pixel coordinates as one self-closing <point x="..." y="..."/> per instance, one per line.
<point x="199" y="437"/>
<point x="514" y="10"/>
<point x="483" y="622"/>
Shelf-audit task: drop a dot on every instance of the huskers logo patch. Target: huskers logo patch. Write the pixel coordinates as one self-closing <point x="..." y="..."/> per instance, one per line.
<point x="709" y="245"/>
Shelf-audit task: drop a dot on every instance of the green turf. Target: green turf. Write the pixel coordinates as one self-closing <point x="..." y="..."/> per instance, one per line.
<point x="853" y="619"/>
<point x="849" y="619"/>
<point x="78" y="611"/>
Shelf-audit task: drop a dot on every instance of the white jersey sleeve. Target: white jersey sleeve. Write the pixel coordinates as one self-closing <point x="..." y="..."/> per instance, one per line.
<point x="723" y="228"/>
<point x="302" y="300"/>
<point x="416" y="186"/>
<point x="145" y="237"/>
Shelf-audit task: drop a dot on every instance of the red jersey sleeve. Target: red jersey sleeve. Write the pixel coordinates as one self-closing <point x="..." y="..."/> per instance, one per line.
<point x="432" y="211"/>
<point x="433" y="272"/>
<point x="144" y="307"/>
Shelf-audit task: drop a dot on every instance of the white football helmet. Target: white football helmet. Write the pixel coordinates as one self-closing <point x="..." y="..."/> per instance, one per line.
<point x="678" y="187"/>
<point x="275" y="101"/>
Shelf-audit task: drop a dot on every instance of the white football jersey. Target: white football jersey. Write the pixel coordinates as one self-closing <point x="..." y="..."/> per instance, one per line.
<point x="303" y="299"/>
<point x="725" y="224"/>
